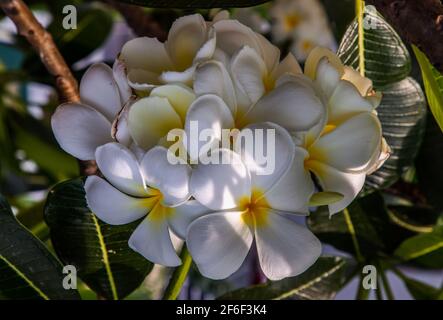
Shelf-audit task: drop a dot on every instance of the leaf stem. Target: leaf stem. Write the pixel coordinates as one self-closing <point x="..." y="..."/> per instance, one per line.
<point x="351" y="229"/>
<point x="179" y="276"/>
<point x="359" y="10"/>
<point x="362" y="293"/>
<point x="386" y="284"/>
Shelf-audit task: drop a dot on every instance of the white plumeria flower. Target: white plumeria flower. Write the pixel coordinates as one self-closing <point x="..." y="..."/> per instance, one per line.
<point x="153" y="188"/>
<point x="288" y="15"/>
<point x="226" y="104"/>
<point x="309" y="36"/>
<point x="81" y="127"/>
<point x="150" y="119"/>
<point x="348" y="145"/>
<point x="248" y="206"/>
<point x="150" y="63"/>
<point x="252" y="19"/>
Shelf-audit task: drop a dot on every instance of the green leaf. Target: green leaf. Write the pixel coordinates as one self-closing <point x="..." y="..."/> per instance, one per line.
<point x="27" y="269"/>
<point x="99" y="251"/>
<point x="418" y="290"/>
<point x="421" y="244"/>
<point x="364" y="229"/>
<point x="324" y="198"/>
<point x="375" y="49"/>
<point x="414" y="218"/>
<point x="192" y="4"/>
<point x="433" y="81"/>
<point x="320" y="282"/>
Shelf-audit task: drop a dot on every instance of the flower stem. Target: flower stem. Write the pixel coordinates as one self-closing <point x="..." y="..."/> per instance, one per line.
<point x="179" y="276"/>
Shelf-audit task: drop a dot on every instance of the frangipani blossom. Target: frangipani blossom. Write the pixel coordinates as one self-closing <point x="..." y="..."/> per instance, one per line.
<point x="150" y="63"/>
<point x="226" y="104"/>
<point x="349" y="145"/>
<point x="81" y="127"/>
<point x="150" y="119"/>
<point x="247" y="206"/>
<point x="304" y="23"/>
<point x="153" y="189"/>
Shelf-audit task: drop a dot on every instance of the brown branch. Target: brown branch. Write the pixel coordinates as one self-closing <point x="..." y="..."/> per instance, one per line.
<point x="141" y="22"/>
<point x="42" y="42"/>
<point x="420" y="22"/>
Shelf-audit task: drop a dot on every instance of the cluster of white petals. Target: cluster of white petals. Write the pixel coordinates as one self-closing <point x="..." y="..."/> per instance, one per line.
<point x="222" y="75"/>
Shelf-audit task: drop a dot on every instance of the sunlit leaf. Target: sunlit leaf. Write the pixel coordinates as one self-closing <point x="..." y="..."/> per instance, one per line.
<point x="99" y="251"/>
<point x="320" y="282"/>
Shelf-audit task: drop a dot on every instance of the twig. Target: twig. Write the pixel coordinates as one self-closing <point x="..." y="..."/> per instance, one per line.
<point x="420" y="22"/>
<point x="42" y="42"/>
<point x="141" y="22"/>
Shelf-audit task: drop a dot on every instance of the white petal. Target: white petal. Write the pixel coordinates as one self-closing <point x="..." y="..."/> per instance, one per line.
<point x="221" y="186"/>
<point x="99" y="90"/>
<point x="219" y="243"/>
<point x="363" y="84"/>
<point x="351" y="146"/>
<point x="290" y="105"/>
<point x="207" y="50"/>
<point x="171" y="179"/>
<point x="267" y="151"/>
<point x="80" y="129"/>
<point x="232" y="35"/>
<point x="331" y="179"/>
<point x="120" y="167"/>
<point x="150" y="119"/>
<point x="184" y="215"/>
<point x="249" y="73"/>
<point x="119" y="72"/>
<point x="142" y="80"/>
<point x="285" y="249"/>
<point x="212" y="78"/>
<point x="269" y="52"/>
<point x="287" y="65"/>
<point x="120" y="128"/>
<point x="293" y="191"/>
<point x="152" y="240"/>
<point x="186" y="36"/>
<point x="184" y="77"/>
<point x="113" y="206"/>
<point x="145" y="53"/>
<point x="346" y="102"/>
<point x="179" y="96"/>
<point x="209" y="113"/>
<point x="327" y="77"/>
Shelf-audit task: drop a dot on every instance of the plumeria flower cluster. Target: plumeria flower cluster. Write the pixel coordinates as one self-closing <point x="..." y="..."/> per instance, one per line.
<point x="320" y="126"/>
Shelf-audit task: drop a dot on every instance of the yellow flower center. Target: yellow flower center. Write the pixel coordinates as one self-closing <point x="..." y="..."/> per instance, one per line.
<point x="156" y="210"/>
<point x="255" y="210"/>
<point x="291" y="21"/>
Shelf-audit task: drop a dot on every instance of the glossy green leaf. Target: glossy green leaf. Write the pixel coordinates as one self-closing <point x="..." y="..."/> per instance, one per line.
<point x="433" y="81"/>
<point x="418" y="289"/>
<point x="364" y="229"/>
<point x="192" y="4"/>
<point x="320" y="282"/>
<point x="375" y="49"/>
<point x="421" y="244"/>
<point x="99" y="251"/>
<point x="27" y="269"/>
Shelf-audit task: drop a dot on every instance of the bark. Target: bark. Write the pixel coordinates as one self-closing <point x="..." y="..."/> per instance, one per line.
<point x="42" y="42"/>
<point x="419" y="22"/>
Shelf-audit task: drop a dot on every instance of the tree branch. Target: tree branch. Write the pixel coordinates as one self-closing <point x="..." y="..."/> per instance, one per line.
<point x="141" y="22"/>
<point x="42" y="42"/>
<point x="420" y="22"/>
